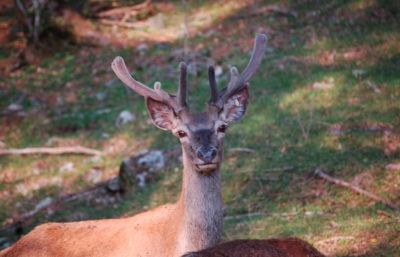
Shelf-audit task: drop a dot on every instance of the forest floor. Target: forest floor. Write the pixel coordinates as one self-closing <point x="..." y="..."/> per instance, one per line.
<point x="326" y="97"/>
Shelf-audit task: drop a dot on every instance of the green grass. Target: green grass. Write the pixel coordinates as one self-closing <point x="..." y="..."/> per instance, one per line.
<point x="61" y="102"/>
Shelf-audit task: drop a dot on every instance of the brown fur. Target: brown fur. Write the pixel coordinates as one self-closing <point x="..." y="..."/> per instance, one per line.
<point x="282" y="247"/>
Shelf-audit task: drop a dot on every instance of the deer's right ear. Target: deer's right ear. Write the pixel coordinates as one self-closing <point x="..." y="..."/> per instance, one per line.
<point x="162" y="114"/>
<point x="236" y="105"/>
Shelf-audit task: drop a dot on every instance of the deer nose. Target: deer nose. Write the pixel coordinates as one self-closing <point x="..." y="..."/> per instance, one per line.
<point x="207" y="153"/>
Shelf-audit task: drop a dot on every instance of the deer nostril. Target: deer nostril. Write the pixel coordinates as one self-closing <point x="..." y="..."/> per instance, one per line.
<point x="213" y="153"/>
<point x="200" y="154"/>
<point x="206" y="154"/>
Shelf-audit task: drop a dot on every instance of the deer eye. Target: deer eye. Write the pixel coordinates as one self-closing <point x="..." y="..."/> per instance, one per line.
<point x="181" y="134"/>
<point x="222" y="128"/>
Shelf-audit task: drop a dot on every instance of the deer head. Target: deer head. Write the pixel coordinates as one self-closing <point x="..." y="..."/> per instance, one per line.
<point x="201" y="133"/>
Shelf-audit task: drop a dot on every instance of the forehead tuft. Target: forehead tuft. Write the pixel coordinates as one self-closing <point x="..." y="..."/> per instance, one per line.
<point x="199" y="120"/>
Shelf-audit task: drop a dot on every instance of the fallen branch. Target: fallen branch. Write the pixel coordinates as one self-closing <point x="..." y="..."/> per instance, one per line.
<point x="125" y="24"/>
<point x="284" y="168"/>
<point x="266" y="9"/>
<point x="48" y="150"/>
<point x="123" y="10"/>
<point x="320" y="173"/>
<point x="54" y="205"/>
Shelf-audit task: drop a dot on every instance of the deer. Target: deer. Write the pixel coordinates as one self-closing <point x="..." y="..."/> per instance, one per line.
<point x="272" y="247"/>
<point x="194" y="222"/>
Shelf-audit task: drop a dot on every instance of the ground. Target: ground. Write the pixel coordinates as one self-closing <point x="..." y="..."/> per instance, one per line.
<point x="326" y="96"/>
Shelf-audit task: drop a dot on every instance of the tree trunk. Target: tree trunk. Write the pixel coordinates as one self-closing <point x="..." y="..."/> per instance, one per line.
<point x="68" y="20"/>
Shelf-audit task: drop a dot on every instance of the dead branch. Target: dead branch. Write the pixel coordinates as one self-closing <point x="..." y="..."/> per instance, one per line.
<point x="320" y="173"/>
<point x="305" y="132"/>
<point x="248" y="215"/>
<point x="36" y="24"/>
<point x="241" y="149"/>
<point x="393" y="166"/>
<point x="274" y="214"/>
<point x="284" y="168"/>
<point x="121" y="11"/>
<point x="125" y="24"/>
<point x="267" y="9"/>
<point x="48" y="150"/>
<point x="21" y="7"/>
<point x="55" y="205"/>
<point x="361" y="127"/>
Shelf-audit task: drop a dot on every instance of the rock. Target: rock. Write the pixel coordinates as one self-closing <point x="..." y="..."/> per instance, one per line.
<point x="100" y="96"/>
<point x="358" y="72"/>
<point x="67" y="167"/>
<point x="157" y="21"/>
<point x="14" y="108"/>
<point x="142" y="47"/>
<point x="124" y="117"/>
<point x="113" y="184"/>
<point x="324" y="84"/>
<point x="140" y="168"/>
<point x="94" y="175"/>
<point x="43" y="203"/>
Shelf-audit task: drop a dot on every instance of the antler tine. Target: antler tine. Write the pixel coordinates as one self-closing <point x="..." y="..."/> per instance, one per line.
<point x="183" y="83"/>
<point x="258" y="52"/>
<point x="213" y="85"/>
<point x="119" y="67"/>
<point x="238" y="82"/>
<point x="234" y="78"/>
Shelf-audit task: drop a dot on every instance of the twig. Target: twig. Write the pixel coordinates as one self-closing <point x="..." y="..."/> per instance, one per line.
<point x="37" y="7"/>
<point x="305" y="132"/>
<point x="47" y="150"/>
<point x="241" y="149"/>
<point x="310" y="121"/>
<point x="248" y="215"/>
<point x="25" y="14"/>
<point x="320" y="173"/>
<point x="284" y="168"/>
<point x="275" y="214"/>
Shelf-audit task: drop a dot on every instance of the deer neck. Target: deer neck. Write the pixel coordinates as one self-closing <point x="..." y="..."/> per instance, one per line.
<point x="201" y="202"/>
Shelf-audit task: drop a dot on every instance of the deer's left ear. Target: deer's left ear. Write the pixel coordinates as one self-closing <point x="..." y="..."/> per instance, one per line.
<point x="235" y="106"/>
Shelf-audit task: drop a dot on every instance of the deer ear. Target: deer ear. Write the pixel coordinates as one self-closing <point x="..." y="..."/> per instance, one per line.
<point x="162" y="114"/>
<point x="235" y="106"/>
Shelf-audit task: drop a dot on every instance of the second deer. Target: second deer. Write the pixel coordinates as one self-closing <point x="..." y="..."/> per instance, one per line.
<point x="274" y="247"/>
<point x="195" y="221"/>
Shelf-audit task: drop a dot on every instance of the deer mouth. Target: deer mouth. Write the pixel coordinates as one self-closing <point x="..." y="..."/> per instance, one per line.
<point x="207" y="167"/>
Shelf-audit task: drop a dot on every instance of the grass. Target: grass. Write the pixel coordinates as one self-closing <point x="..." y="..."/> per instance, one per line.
<point x="73" y="96"/>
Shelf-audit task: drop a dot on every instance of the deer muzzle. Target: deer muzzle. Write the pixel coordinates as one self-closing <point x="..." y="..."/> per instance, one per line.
<point x="208" y="156"/>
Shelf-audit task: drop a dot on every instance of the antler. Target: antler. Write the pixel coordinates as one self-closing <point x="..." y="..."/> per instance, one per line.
<point x="176" y="102"/>
<point x="238" y="82"/>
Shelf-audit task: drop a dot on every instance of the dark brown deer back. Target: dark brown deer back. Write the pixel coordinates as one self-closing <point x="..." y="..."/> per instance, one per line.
<point x="282" y="247"/>
<point x="295" y="247"/>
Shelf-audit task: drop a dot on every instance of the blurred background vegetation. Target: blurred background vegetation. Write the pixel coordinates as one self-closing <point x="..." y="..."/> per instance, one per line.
<point x="327" y="96"/>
